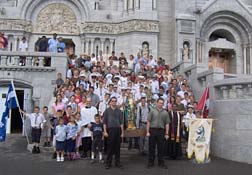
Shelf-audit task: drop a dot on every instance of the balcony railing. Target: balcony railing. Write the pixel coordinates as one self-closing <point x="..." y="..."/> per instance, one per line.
<point x="33" y="61"/>
<point x="234" y="88"/>
<point x="30" y="59"/>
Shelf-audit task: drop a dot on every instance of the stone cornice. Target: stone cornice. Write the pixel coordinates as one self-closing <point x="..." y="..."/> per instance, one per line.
<point x="135" y="25"/>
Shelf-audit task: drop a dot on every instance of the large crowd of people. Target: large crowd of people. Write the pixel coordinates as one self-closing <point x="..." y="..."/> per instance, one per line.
<point x="102" y="95"/>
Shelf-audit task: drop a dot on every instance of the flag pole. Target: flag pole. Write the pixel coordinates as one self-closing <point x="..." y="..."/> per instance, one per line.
<point x="205" y="101"/>
<point x="25" y="132"/>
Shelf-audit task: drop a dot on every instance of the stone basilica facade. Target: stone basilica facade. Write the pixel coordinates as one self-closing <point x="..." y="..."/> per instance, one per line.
<point x="208" y="41"/>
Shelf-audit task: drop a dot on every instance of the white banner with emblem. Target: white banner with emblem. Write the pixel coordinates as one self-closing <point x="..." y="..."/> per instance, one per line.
<point x="199" y="139"/>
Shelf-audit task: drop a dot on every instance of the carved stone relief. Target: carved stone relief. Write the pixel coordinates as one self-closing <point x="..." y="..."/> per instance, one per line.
<point x="117" y="28"/>
<point x="56" y="18"/>
<point x="7" y="24"/>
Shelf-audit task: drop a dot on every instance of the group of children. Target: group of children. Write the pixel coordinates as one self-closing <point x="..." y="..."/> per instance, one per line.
<point x="67" y="134"/>
<point x="68" y="137"/>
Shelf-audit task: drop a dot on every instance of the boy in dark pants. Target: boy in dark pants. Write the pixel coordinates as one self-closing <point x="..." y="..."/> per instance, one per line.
<point x="97" y="138"/>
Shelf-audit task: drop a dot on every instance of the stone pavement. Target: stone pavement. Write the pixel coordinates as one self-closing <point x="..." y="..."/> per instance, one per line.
<point x="15" y="159"/>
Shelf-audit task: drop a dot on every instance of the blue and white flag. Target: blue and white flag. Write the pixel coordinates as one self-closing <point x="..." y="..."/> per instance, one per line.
<point x="11" y="103"/>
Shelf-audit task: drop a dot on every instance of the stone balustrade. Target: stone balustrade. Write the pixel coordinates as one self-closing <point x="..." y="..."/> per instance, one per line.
<point x="178" y="67"/>
<point x="32" y="59"/>
<point x="34" y="62"/>
<point x="233" y="88"/>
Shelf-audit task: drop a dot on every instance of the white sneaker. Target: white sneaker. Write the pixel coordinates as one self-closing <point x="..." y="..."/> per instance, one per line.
<point x="58" y="159"/>
<point x="62" y="159"/>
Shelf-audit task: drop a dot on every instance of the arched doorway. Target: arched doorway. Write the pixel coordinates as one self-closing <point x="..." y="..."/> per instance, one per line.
<point x="227" y="33"/>
<point x="222" y="46"/>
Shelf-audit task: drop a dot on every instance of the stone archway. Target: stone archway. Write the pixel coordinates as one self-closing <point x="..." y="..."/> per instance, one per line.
<point x="80" y="7"/>
<point x="235" y="29"/>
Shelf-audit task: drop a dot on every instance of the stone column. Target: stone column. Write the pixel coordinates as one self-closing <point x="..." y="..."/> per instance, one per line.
<point x="244" y="60"/>
<point x="239" y="91"/>
<point x="41" y="61"/>
<point x="203" y="82"/>
<point x="137" y="4"/>
<point x="28" y="61"/>
<point x="82" y="45"/>
<point x="200" y="52"/>
<point x="16" y="59"/>
<point x="92" y="46"/>
<point x="154" y="4"/>
<point x="16" y="43"/>
<point x="87" y="47"/>
<point x="3" y="60"/>
<point x="250" y="59"/>
<point x="125" y="5"/>
<point x="224" y="92"/>
<point x="203" y="55"/>
<point x="111" y="45"/>
<point x="196" y="53"/>
<point x="130" y="4"/>
<point x="249" y="92"/>
<point x="102" y="45"/>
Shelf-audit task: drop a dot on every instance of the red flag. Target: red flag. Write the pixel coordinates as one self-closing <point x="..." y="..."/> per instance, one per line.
<point x="204" y="103"/>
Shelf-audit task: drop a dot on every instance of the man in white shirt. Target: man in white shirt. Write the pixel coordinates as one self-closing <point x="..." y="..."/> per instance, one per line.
<point x="186" y="120"/>
<point x="154" y="84"/>
<point x="87" y="117"/>
<point x="152" y="62"/>
<point x="23" y="47"/>
<point x="104" y="104"/>
<point x="182" y="91"/>
<point x="93" y="58"/>
<point x="37" y="123"/>
<point x="121" y="100"/>
<point x="100" y="91"/>
<point x="53" y="44"/>
<point x="115" y="92"/>
<point x="123" y="79"/>
<point x="139" y="94"/>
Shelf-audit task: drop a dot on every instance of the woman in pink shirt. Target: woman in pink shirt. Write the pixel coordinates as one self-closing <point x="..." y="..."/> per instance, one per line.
<point x="58" y="105"/>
